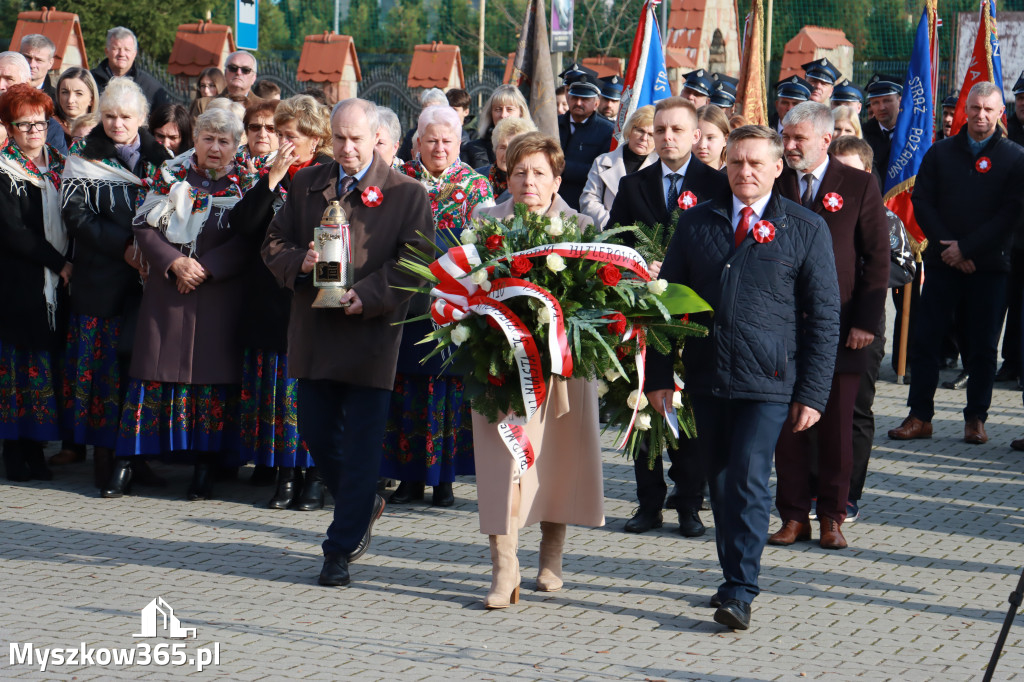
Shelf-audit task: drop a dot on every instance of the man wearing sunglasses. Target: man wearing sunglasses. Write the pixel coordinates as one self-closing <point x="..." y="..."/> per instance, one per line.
<point x="240" y="72"/>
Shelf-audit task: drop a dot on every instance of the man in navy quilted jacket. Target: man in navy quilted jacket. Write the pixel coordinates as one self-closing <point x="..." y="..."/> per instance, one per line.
<point x="765" y="265"/>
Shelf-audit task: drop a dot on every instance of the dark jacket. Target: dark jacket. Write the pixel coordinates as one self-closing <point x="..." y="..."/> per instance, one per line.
<point x="775" y="327"/>
<point x="99" y="223"/>
<point x="860" y="244"/>
<point x="881" y="144"/>
<point x="328" y="343"/>
<point x="954" y="200"/>
<point x="641" y="195"/>
<point x="591" y="139"/>
<point x="479" y="152"/>
<point x="24" y="252"/>
<point x="151" y="88"/>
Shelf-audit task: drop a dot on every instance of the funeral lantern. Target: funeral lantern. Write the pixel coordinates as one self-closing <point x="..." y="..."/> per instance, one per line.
<point x="333" y="272"/>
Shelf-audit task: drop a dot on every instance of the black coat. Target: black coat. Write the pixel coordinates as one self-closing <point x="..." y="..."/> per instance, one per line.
<point x="954" y="200"/>
<point x="24" y="252"/>
<point x="775" y="329"/>
<point x="641" y="195"/>
<point x="151" y="88"/>
<point x="591" y="139"/>
<point x="99" y="223"/>
<point x="479" y="152"/>
<point x="881" y="144"/>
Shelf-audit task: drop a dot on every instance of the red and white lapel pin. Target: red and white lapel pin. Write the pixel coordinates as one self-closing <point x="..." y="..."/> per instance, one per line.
<point x="983" y="164"/>
<point x="832" y="202"/>
<point x="372" y="196"/>
<point x="764" y="232"/>
<point x="687" y="200"/>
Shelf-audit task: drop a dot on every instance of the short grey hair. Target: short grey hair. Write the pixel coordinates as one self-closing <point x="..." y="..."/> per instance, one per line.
<point x="20" y="61"/>
<point x="752" y="132"/>
<point x="255" y="64"/>
<point x="441" y="116"/>
<point x="817" y="114"/>
<point x="120" y="33"/>
<point x="368" y="108"/>
<point x="433" y="97"/>
<point x="37" y="41"/>
<point x="985" y="89"/>
<point x="389" y="122"/>
<point x="124" y="94"/>
<point x="236" y="108"/>
<point x="220" y="121"/>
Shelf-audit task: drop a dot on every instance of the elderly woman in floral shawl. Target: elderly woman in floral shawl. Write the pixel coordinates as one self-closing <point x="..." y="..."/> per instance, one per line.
<point x="186" y="366"/>
<point x="429" y="437"/>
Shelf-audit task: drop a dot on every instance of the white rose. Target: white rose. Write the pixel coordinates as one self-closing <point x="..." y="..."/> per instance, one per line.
<point x="602" y="388"/>
<point x="643" y="422"/>
<point x="657" y="286"/>
<point x="555" y="262"/>
<point x="636" y="398"/>
<point x="556" y="228"/>
<point x="544" y="315"/>
<point x="468" y="236"/>
<point x="480" y="279"/>
<point x="677" y="400"/>
<point x="611" y="375"/>
<point x="460" y="334"/>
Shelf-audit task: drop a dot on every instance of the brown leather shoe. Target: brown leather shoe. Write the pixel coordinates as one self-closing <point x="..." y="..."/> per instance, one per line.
<point x="790" y="532"/>
<point x="831" y="536"/>
<point x="911" y="428"/>
<point x="1017" y="444"/>
<point x="974" y="432"/>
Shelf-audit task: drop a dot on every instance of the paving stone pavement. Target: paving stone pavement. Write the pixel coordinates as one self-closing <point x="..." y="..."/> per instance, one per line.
<point x="920" y="594"/>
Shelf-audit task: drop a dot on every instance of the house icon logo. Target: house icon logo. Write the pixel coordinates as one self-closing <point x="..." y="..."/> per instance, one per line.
<point x="158" y="616"/>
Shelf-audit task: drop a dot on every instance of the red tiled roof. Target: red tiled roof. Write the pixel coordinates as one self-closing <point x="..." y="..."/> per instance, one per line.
<point x="432" y="66"/>
<point x="199" y="46"/>
<point x="804" y="46"/>
<point x="685" y="24"/>
<point x="62" y="28"/>
<point x="325" y="56"/>
<point x="605" y="66"/>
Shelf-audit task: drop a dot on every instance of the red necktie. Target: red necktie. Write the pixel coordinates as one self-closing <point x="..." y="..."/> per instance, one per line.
<point x="741" y="232"/>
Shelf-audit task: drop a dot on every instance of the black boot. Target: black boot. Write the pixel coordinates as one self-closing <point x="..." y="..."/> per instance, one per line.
<point x="201" y="487"/>
<point x="120" y="483"/>
<point x="263" y="475"/>
<point x="289" y="481"/>
<point x="144" y="475"/>
<point x="102" y="466"/>
<point x="406" y="492"/>
<point x="15" y="467"/>
<point x="312" y="497"/>
<point x="35" y="460"/>
<point x="443" y="495"/>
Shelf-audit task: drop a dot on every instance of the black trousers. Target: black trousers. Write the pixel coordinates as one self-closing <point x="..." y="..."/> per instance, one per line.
<point x="864" y="418"/>
<point x="687" y="470"/>
<point x="343" y="425"/>
<point x="1014" y="300"/>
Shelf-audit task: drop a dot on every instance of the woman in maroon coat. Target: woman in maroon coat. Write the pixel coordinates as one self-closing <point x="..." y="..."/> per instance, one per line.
<point x="185" y="370"/>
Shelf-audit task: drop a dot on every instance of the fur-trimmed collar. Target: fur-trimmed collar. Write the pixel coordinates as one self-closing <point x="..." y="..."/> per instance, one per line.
<point x="98" y="145"/>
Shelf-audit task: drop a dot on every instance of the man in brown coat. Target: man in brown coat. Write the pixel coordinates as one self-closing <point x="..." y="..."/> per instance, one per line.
<point x="851" y="205"/>
<point x="344" y="358"/>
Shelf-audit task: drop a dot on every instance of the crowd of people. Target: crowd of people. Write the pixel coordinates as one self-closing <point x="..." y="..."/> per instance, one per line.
<point x="156" y="260"/>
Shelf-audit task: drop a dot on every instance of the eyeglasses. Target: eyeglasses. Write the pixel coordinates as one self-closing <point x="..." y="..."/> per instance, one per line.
<point x="29" y="126"/>
<point x="235" y="68"/>
<point x="256" y="127"/>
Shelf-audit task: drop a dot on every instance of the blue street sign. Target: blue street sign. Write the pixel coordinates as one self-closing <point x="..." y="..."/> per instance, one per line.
<point x="247" y="24"/>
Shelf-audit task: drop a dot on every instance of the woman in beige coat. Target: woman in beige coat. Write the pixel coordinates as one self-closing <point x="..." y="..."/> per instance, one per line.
<point x="565" y="483"/>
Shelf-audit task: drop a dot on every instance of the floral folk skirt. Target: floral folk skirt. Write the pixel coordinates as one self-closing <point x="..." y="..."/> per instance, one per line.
<point x="28" y="401"/>
<point x="91" y="398"/>
<point x="429" y="434"/>
<point x="268" y="413"/>
<point x="179" y="420"/>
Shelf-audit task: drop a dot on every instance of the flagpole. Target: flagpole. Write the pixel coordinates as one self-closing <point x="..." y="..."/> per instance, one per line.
<point x="768" y="40"/>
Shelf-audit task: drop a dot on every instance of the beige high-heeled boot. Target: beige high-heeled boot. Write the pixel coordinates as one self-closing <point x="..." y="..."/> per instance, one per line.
<point x="552" y="540"/>
<point x="504" y="562"/>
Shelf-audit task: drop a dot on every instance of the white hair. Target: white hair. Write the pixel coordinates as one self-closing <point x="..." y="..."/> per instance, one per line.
<point x="20" y="61"/>
<point x="255" y="65"/>
<point x="236" y="108"/>
<point x="217" y="120"/>
<point x="441" y="116"/>
<point x="433" y="97"/>
<point x="368" y="108"/>
<point x="37" y="41"/>
<point x="123" y="94"/>
<point x="817" y="114"/>
<point x="984" y="89"/>
<point x="120" y="33"/>
<point x="389" y="122"/>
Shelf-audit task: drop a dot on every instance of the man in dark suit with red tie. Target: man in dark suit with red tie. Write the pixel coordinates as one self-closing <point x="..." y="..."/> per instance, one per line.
<point x="851" y="205"/>
<point x="650" y="197"/>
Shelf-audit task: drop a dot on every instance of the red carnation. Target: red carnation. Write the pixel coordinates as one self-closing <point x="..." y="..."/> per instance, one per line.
<point x="622" y="352"/>
<point x="609" y="274"/>
<point x="520" y="266"/>
<point x="494" y="242"/>
<point x="618" y="323"/>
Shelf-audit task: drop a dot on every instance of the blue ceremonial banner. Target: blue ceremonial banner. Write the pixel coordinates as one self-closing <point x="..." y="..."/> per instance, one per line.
<point x="912" y="136"/>
<point x="997" y="63"/>
<point x="247" y="24"/>
<point x="646" y="79"/>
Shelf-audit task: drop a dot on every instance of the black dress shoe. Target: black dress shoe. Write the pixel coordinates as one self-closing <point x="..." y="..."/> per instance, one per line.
<point x="672" y="499"/>
<point x="958" y="384"/>
<point x="406" y="492"/>
<point x="120" y="483"/>
<point x="262" y="475"/>
<point x="144" y="475"/>
<point x="289" y="481"/>
<point x="1007" y="373"/>
<point x="364" y="544"/>
<point x="733" y="614"/>
<point x="716" y="600"/>
<point x="201" y="487"/>
<point x="643" y="521"/>
<point x="335" y="571"/>
<point x="690" y="525"/>
<point x="15" y="468"/>
<point x="443" y="495"/>
<point x="312" y="497"/>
